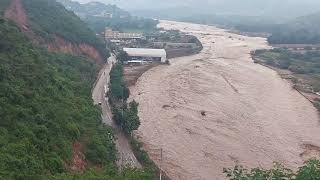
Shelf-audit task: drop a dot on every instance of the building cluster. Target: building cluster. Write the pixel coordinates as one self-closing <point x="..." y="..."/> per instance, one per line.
<point x="116" y="35"/>
<point x="137" y="55"/>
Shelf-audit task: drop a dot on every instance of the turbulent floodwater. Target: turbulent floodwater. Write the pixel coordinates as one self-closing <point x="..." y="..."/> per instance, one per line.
<point x="218" y="108"/>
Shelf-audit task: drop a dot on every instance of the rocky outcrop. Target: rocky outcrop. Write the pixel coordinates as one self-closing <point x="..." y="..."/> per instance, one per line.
<point x="17" y="14"/>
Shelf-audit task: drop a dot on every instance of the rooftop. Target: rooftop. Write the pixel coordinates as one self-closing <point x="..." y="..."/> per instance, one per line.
<point x="146" y="52"/>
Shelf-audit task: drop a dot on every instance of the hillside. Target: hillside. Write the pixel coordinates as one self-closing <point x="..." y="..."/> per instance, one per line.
<point x="49" y="24"/>
<point x="45" y="106"/>
<point x="93" y="8"/>
<point x="303" y="30"/>
<point x="98" y="16"/>
<point x="273" y="8"/>
<point x="49" y="127"/>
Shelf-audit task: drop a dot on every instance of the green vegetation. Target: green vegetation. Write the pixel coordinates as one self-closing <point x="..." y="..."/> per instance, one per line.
<point x="45" y="105"/>
<point x="306" y="63"/>
<point x="94" y="9"/>
<point x="122" y="56"/>
<point x="131" y="119"/>
<point x="310" y="171"/>
<point x="132" y="24"/>
<point x="49" y="18"/>
<point x="281" y="30"/>
<point x="92" y="13"/>
<point x="126" y="117"/>
<point x="118" y="90"/>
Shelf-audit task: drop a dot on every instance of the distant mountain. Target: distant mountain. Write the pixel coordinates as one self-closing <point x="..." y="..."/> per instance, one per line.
<point x="94" y="9"/>
<point x="99" y="16"/>
<point x="271" y="8"/>
<point x="302" y="30"/>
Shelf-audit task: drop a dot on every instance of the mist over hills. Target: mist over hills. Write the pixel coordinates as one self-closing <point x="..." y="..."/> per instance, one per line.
<point x="244" y="7"/>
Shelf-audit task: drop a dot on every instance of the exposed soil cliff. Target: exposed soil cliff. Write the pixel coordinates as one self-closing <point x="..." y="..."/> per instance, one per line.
<point x="61" y="45"/>
<point x="17" y="14"/>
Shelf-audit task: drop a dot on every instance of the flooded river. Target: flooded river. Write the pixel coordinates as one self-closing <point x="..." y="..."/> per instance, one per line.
<point x="217" y="109"/>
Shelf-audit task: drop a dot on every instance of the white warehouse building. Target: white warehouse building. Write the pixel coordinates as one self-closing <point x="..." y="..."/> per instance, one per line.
<point x="149" y="54"/>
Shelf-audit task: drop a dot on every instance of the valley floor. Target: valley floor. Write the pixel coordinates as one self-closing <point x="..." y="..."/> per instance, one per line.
<point x="218" y="108"/>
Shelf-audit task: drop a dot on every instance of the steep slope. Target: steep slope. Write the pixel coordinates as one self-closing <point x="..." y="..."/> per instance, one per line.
<point x="49" y="127"/>
<point x="49" y="24"/>
<point x="45" y="106"/>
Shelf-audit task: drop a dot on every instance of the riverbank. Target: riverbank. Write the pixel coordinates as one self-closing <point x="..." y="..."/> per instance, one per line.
<point x="299" y="68"/>
<point x="218" y="108"/>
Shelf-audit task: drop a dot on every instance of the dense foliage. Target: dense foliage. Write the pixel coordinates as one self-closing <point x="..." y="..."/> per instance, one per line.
<point x="118" y="90"/>
<point x="126" y="117"/>
<point x="303" y="63"/>
<point x="310" y="171"/>
<point x="45" y="105"/>
<point x="122" y="56"/>
<point x="49" y="18"/>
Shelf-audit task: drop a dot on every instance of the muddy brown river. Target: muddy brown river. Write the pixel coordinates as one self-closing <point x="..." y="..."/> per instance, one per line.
<point x="218" y="109"/>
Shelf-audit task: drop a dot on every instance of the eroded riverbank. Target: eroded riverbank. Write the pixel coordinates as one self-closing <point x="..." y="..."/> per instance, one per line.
<point x="218" y="108"/>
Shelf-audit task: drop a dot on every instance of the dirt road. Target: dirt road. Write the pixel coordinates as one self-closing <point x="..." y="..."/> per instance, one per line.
<point x="218" y="108"/>
<point x="125" y="154"/>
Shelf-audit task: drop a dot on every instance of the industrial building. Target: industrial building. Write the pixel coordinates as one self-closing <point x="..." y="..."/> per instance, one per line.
<point x="143" y="54"/>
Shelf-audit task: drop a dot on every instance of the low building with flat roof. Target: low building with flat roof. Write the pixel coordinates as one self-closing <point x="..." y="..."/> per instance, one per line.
<point x="147" y="54"/>
<point x="111" y="35"/>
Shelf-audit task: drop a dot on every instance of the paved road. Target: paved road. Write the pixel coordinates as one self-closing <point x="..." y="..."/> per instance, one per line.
<point x="125" y="154"/>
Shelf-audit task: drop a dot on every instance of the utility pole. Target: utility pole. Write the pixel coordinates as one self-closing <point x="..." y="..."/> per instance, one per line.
<point x="160" y="165"/>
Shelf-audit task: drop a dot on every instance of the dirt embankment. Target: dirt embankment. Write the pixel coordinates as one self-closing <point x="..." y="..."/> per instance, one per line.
<point x="60" y="45"/>
<point x="17" y="14"/>
<point x="217" y="109"/>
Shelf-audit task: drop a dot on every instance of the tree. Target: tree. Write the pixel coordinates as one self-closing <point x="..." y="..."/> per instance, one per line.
<point x="122" y="56"/>
<point x="310" y="171"/>
<point x="131" y="118"/>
